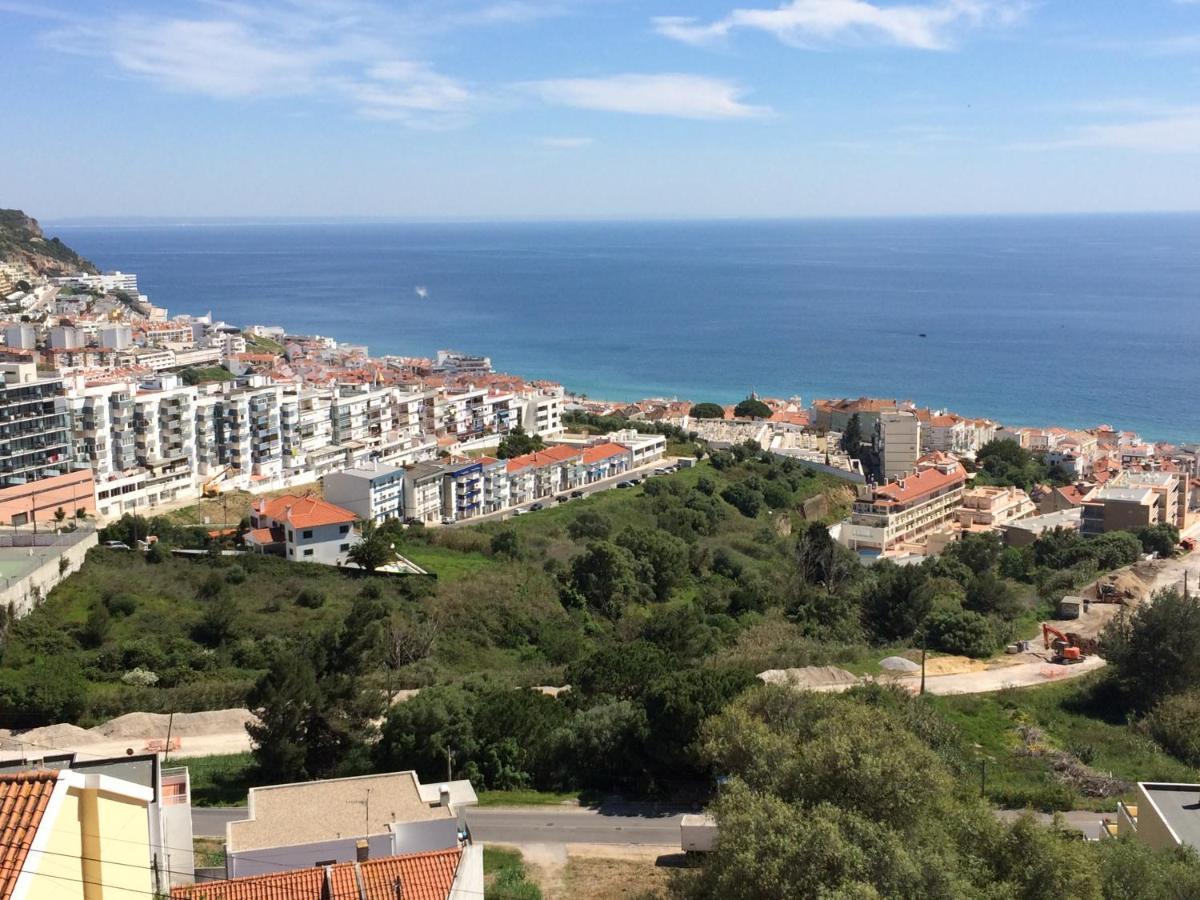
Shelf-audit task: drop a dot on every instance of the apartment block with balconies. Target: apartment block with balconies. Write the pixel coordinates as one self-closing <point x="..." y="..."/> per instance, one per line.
<point x="35" y="427"/>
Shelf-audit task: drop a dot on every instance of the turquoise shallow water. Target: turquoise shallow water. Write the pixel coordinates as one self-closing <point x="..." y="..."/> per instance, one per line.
<point x="1070" y="320"/>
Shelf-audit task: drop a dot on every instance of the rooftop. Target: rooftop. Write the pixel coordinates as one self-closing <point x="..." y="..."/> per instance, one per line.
<point x="1179" y="807"/>
<point x="23" y="801"/>
<point x="303" y="512"/>
<point x="915" y="486"/>
<point x="423" y="876"/>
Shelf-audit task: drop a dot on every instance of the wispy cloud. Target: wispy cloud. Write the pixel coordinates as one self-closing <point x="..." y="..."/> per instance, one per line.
<point x="672" y="94"/>
<point x="820" y="23"/>
<point x="357" y="53"/>
<point x="1177" y="131"/>
<point x="566" y="143"/>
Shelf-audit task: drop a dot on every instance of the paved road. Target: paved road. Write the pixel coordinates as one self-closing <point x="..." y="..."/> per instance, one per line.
<point x="569" y="825"/>
<point x="627" y="823"/>
<point x="210" y="822"/>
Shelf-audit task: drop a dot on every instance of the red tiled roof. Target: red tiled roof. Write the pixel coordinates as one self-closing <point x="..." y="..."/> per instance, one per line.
<point x="23" y="801"/>
<point x="303" y="512"/>
<point x="915" y="486"/>
<point x="603" y="451"/>
<point x="265" y="536"/>
<point x="423" y="876"/>
<point x="560" y="454"/>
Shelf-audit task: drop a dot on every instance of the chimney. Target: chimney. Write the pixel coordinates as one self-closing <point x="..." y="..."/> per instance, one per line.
<point x="444" y="795"/>
<point x="362" y="850"/>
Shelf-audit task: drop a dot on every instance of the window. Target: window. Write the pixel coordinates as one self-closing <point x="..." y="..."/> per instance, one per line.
<point x="345" y="529"/>
<point x="308" y="552"/>
<point x="291" y="552"/>
<point x="307" y="534"/>
<point x="291" y="535"/>
<point x="343" y="548"/>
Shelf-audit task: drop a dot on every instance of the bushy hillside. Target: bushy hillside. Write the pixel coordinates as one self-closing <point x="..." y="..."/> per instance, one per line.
<point x="22" y="242"/>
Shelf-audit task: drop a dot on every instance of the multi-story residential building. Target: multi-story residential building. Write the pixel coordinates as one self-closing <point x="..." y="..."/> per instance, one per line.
<point x="20" y="336"/>
<point x="108" y="282"/>
<point x="423" y="492"/>
<point x="542" y="414"/>
<point x="462" y="490"/>
<point x="303" y="529"/>
<point x="35" y="428"/>
<point x="497" y="493"/>
<point x="306" y="426"/>
<point x="835" y="415"/>
<point x="905" y="511"/>
<point x="249" y="434"/>
<point x="362" y="414"/>
<point x="994" y="507"/>
<point x="604" y="461"/>
<point x="898" y="442"/>
<point x="373" y="493"/>
<point x="643" y="448"/>
<point x="1136" y="500"/>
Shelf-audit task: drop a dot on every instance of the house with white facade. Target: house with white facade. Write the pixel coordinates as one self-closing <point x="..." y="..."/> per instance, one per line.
<point x="302" y="529"/>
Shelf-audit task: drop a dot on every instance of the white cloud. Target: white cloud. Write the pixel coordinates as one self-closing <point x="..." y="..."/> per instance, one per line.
<point x="1175" y="132"/>
<point x="676" y="95"/>
<point x="358" y="53"/>
<point x="566" y="143"/>
<point x="817" y="23"/>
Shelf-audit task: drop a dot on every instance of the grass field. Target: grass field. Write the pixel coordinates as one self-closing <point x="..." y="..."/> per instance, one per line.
<point x="220" y="780"/>
<point x="528" y="798"/>
<point x="1061" y="712"/>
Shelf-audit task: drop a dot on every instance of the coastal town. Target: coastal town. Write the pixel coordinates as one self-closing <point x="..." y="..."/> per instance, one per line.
<point x="114" y="406"/>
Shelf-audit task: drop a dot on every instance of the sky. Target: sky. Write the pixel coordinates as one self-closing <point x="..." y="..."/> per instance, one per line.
<point x="547" y="109"/>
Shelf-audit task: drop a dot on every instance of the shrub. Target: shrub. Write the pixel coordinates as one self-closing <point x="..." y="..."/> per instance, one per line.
<point x="589" y="526"/>
<point x="310" y="598"/>
<point x="1175" y="724"/>
<point x="143" y="677"/>
<point x="235" y="575"/>
<point x="961" y="631"/>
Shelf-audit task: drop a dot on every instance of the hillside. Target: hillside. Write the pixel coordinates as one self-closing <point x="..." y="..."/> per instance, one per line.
<point x="22" y="242"/>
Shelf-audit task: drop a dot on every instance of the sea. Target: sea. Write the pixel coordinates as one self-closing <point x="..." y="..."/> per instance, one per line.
<point x="1070" y="320"/>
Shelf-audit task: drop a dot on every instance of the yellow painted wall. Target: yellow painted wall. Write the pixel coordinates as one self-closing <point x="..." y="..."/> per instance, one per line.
<point x="98" y="849"/>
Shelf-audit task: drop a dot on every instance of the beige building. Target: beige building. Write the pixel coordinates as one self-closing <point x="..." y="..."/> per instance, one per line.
<point x="296" y="826"/>
<point x="898" y="440"/>
<point x="1136" y="500"/>
<point x="1165" y="816"/>
<point x="994" y="507"/>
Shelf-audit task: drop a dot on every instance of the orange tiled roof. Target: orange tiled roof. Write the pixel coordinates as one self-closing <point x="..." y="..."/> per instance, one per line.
<point x="303" y="512"/>
<point x="424" y="876"/>
<point x="915" y="486"/>
<point x="603" y="451"/>
<point x="23" y="801"/>
<point x="551" y="455"/>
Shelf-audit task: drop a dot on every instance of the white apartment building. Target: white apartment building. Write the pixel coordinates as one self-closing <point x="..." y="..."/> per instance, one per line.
<point x="542" y="414"/>
<point x="306" y="425"/>
<point x="22" y="336"/>
<point x="643" y="448"/>
<point x="906" y="511"/>
<point x="108" y="282"/>
<point x="423" y="492"/>
<point x="372" y="493"/>
<point x="248" y="423"/>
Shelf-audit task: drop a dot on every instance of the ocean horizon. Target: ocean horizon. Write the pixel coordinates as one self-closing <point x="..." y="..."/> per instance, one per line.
<point x="1068" y="319"/>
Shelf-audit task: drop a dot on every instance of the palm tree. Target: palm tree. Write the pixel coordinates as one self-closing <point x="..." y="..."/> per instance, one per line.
<point x="374" y="550"/>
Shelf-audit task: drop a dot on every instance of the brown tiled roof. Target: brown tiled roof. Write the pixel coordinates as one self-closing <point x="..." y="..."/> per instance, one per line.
<point x="424" y="876"/>
<point x="23" y="801"/>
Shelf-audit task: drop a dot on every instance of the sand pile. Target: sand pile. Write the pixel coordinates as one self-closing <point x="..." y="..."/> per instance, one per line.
<point x="48" y="737"/>
<point x="898" y="665"/>
<point x="953" y="665"/>
<point x="808" y="676"/>
<point x="155" y="725"/>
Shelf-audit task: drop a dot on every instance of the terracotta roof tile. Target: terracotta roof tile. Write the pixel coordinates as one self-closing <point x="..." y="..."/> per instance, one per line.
<point x="23" y="801"/>
<point x="424" y="876"/>
<point x="303" y="512"/>
<point x="603" y="451"/>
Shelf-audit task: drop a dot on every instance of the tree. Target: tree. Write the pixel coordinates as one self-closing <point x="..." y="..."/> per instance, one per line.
<point x="623" y="672"/>
<point x="744" y="498"/>
<point x="961" y="631"/>
<point x="1155" y="652"/>
<point x="752" y="408"/>
<point x="608" y="577"/>
<point x="219" y="622"/>
<point x="1175" y="724"/>
<point x="664" y="556"/>
<point x="410" y="641"/>
<point x="822" y="560"/>
<point x="1162" y="539"/>
<point x="707" y="411"/>
<point x="285" y="702"/>
<point x="978" y="552"/>
<point x="518" y="443"/>
<point x="852" y="437"/>
<point x="896" y="604"/>
<point x="59" y="515"/>
<point x="589" y="525"/>
<point x="506" y="543"/>
<point x="374" y="549"/>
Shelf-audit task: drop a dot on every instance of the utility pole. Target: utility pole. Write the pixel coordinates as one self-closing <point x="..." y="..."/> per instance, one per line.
<point x="449" y="775"/>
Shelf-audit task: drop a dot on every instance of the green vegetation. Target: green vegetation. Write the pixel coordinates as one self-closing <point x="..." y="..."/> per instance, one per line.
<point x="528" y="798"/>
<point x="1004" y="462"/>
<point x="205" y="374"/>
<point x="505" y="875"/>
<point x="752" y="408"/>
<point x="707" y="411"/>
<point x="872" y="794"/>
<point x="221" y="780"/>
<point x="518" y="443"/>
<point x="256" y="344"/>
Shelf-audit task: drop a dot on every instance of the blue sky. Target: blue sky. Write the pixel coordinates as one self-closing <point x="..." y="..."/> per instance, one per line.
<point x="598" y="108"/>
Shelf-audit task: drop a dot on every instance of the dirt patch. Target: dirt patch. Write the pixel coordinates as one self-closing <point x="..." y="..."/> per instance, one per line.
<point x="953" y="665"/>
<point x="155" y="725"/>
<point x="1069" y="769"/>
<point x="598" y="878"/>
<point x="48" y="737"/>
<point x="808" y="676"/>
<point x="1125" y="586"/>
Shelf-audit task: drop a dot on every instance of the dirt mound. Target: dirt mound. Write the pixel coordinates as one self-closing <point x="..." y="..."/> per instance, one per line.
<point x="808" y="676"/>
<point x="899" y="665"/>
<point x="1126" y="586"/>
<point x="155" y="725"/>
<point x="953" y="665"/>
<point x="49" y="737"/>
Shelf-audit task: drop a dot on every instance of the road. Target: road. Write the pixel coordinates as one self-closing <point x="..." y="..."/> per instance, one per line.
<point x="611" y="823"/>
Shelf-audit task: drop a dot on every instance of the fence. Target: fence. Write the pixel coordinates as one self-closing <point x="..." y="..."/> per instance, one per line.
<point x="46" y="550"/>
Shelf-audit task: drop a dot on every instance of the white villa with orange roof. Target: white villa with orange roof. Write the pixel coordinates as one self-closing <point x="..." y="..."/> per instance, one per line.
<point x="303" y="529"/>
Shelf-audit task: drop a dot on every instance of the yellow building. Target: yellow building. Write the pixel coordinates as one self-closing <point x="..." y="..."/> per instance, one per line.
<point x="73" y="836"/>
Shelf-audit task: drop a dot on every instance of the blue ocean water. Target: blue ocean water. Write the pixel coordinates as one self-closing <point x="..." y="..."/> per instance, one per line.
<point x="1050" y="320"/>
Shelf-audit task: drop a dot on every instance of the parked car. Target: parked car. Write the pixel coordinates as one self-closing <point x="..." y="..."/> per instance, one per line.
<point x="117" y="545"/>
<point x="537" y="506"/>
<point x="576" y="494"/>
<point x="447" y="520"/>
<point x="519" y="512"/>
<point x="561" y="498"/>
<point x="624" y="484"/>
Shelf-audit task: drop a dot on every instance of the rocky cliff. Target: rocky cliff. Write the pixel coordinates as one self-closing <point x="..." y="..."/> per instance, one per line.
<point x="22" y="243"/>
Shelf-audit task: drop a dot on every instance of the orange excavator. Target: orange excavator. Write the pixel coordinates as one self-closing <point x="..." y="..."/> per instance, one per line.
<point x="1069" y="647"/>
